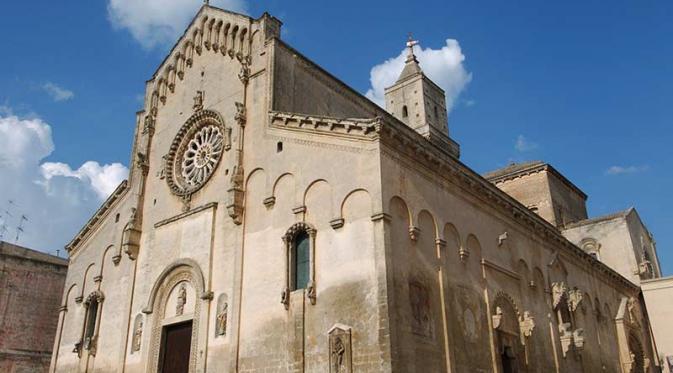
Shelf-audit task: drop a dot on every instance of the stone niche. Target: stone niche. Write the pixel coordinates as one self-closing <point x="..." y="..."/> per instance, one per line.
<point x="340" y="353"/>
<point x="181" y="301"/>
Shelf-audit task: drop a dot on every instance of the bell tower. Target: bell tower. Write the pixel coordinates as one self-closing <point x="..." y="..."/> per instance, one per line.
<point x="418" y="101"/>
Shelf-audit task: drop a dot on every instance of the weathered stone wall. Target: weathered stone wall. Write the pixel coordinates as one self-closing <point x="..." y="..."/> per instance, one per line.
<point x="451" y="241"/>
<point x="405" y="260"/>
<point x="31" y="283"/>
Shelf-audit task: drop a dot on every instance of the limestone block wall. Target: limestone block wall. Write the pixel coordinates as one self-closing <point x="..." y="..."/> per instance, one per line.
<point x="615" y="244"/>
<point x="463" y="290"/>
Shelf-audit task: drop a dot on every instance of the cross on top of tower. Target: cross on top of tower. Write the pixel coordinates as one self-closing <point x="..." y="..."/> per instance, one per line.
<point x="410" y="48"/>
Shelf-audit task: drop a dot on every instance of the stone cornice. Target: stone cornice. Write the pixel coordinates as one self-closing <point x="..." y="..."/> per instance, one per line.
<point x="193" y="211"/>
<point x="97" y="217"/>
<point x="360" y="128"/>
<point x="405" y="141"/>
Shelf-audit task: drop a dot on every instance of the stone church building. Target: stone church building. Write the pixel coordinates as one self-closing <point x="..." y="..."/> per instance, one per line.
<point x="276" y="220"/>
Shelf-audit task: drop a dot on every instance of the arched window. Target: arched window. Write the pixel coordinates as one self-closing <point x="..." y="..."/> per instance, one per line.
<point x="91" y="320"/>
<point x="405" y="111"/>
<point x="299" y="243"/>
<point x="300" y="261"/>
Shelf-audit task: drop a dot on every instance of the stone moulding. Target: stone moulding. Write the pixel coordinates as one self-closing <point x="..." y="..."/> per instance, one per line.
<point x="185" y="214"/>
<point x="358" y="128"/>
<point x="406" y="146"/>
<point x="84" y="233"/>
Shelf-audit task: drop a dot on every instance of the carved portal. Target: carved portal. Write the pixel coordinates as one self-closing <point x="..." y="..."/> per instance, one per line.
<point x="340" y="360"/>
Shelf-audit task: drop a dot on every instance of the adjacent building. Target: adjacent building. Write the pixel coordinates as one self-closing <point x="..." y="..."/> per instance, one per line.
<point x="276" y="220"/>
<point x="31" y="287"/>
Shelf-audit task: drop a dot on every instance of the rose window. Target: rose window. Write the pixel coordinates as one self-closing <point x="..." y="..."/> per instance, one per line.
<point x="202" y="155"/>
<point x="196" y="152"/>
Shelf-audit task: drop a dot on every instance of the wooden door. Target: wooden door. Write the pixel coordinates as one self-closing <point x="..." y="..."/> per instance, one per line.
<point x="175" y="347"/>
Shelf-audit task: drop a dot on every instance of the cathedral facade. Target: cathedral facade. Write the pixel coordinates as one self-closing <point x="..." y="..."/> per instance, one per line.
<point x="275" y="220"/>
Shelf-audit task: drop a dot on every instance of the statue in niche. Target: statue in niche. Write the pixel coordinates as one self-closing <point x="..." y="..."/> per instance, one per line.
<point x="182" y="300"/>
<point x="137" y="336"/>
<point x="198" y="101"/>
<point x="222" y="320"/>
<point x="340" y="349"/>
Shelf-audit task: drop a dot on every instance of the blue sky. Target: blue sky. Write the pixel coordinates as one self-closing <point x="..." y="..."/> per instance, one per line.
<point x="584" y="85"/>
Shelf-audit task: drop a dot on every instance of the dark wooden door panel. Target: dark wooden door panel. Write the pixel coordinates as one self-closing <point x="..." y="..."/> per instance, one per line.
<point x="175" y="348"/>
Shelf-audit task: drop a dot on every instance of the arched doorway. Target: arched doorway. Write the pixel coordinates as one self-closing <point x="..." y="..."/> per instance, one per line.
<point x="510" y="352"/>
<point x="174" y="310"/>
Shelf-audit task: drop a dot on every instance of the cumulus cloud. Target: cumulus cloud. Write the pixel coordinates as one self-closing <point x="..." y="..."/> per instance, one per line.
<point x="620" y="170"/>
<point x="523" y="145"/>
<point x="58" y="93"/>
<point x="159" y="22"/>
<point x="57" y="199"/>
<point x="443" y="66"/>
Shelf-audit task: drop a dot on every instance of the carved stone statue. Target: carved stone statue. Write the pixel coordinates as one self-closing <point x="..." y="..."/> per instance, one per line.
<point x="526" y="326"/>
<point x="222" y="320"/>
<point x="340" y="349"/>
<point x="574" y="299"/>
<point x="182" y="300"/>
<point x="137" y="336"/>
<point x="198" y="101"/>
<point x="559" y="290"/>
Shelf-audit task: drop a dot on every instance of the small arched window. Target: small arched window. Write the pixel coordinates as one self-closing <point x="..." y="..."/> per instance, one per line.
<point x="300" y="257"/>
<point x="300" y="261"/>
<point x="91" y="320"/>
<point x="405" y="111"/>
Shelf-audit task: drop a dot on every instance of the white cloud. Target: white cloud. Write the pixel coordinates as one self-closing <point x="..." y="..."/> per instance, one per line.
<point x="620" y="170"/>
<point x="443" y="66"/>
<point x="57" y="199"/>
<point x="522" y="144"/>
<point x="58" y="93"/>
<point x="159" y="22"/>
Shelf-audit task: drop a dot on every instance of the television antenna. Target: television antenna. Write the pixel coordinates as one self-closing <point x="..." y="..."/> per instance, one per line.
<point x="19" y="228"/>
